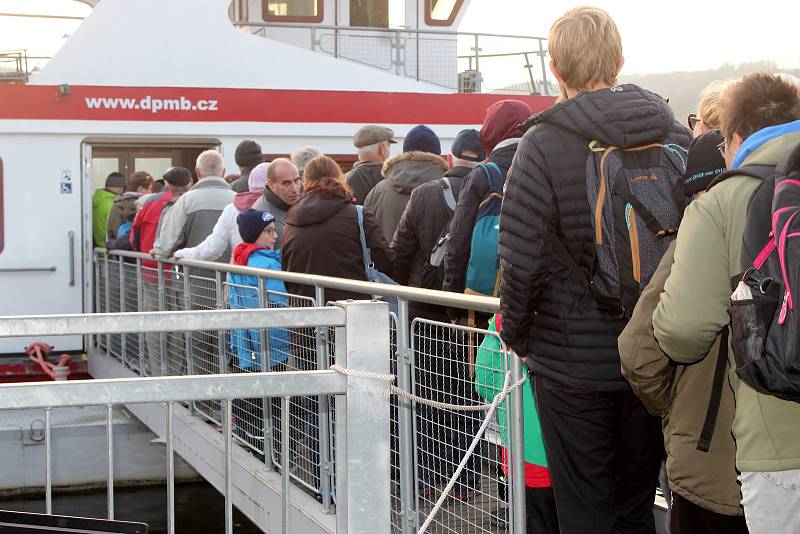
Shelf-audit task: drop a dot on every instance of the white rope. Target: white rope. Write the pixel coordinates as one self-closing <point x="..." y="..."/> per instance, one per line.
<point x="415" y="398"/>
<point x="508" y="387"/>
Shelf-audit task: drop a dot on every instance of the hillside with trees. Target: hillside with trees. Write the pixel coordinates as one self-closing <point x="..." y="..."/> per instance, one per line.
<point x="682" y="88"/>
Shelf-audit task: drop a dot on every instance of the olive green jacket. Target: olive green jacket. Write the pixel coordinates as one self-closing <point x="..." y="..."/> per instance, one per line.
<point x="680" y="395"/>
<point x="696" y="300"/>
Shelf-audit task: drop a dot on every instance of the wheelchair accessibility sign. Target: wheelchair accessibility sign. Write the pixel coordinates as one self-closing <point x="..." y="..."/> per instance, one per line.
<point x="66" y="188"/>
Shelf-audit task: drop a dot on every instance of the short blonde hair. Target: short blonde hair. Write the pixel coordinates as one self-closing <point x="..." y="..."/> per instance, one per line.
<point x="709" y="110"/>
<point x="585" y="48"/>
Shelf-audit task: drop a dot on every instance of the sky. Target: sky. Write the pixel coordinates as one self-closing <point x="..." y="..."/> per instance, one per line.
<point x="657" y="37"/>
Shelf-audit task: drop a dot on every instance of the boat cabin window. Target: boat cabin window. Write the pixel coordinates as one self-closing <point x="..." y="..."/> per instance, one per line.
<point x="293" y="10"/>
<point x="2" y="214"/>
<point x="441" y="12"/>
<point x="369" y="13"/>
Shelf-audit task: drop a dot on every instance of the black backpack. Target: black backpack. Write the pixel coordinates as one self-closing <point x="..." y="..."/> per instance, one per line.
<point x="765" y="328"/>
<point x="432" y="269"/>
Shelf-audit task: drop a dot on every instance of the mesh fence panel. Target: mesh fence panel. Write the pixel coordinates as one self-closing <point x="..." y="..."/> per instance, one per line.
<point x="174" y="300"/>
<point x="444" y="370"/>
<point x="130" y="303"/>
<point x="152" y="341"/>
<point x="299" y="353"/>
<point x="441" y="368"/>
<point x="204" y="343"/>
<point x="101" y="292"/>
<point x="114" y="304"/>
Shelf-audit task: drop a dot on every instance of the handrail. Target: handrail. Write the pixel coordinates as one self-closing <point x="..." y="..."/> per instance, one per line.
<point x="378" y="30"/>
<point x="427" y="296"/>
<point x="172" y="321"/>
<point x="98" y="392"/>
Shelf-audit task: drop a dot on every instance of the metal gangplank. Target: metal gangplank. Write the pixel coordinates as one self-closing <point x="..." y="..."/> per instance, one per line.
<point x="430" y="359"/>
<point x="362" y="405"/>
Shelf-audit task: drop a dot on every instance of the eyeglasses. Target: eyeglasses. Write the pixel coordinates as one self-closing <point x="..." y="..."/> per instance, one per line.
<point x="722" y="147"/>
<point x="693" y="120"/>
<point x="271" y="231"/>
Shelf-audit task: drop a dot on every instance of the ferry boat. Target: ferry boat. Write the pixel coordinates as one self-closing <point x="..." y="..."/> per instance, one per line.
<point x="146" y="85"/>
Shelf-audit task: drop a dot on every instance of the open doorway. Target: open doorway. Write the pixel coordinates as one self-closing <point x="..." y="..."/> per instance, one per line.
<point x="127" y="159"/>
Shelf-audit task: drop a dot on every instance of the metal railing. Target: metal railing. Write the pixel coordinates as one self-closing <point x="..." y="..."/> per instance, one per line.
<point x="434" y="359"/>
<point x="466" y="62"/>
<point x="362" y="403"/>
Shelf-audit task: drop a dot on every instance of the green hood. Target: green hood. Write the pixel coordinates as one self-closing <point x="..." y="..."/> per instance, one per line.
<point x="490" y="371"/>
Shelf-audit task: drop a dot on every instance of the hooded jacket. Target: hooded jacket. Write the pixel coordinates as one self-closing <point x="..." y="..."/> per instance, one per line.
<point x="403" y="173"/>
<point x="423" y="220"/>
<point x="145" y="227"/>
<point x="473" y="190"/>
<point x="102" y="202"/>
<point x="124" y="209"/>
<point x="696" y="299"/>
<point x="548" y="313"/>
<point x="243" y="294"/>
<point x="322" y="237"/>
<point x="680" y="395"/>
<point x="363" y="177"/>
<point x="225" y="235"/>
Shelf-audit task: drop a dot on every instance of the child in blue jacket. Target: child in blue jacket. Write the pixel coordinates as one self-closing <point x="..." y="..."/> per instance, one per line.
<point x="257" y="229"/>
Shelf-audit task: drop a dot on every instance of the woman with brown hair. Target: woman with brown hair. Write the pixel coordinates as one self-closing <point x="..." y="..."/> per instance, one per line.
<point x="321" y="234"/>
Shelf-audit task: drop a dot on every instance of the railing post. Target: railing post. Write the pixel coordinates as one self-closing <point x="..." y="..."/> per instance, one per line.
<point x="397" y="56"/>
<point x="477" y="50"/>
<point x="324" y="408"/>
<point x="162" y="306"/>
<point x="110" y="460"/>
<point x="516" y="424"/>
<point x="529" y="68"/>
<point x="187" y="303"/>
<point x="108" y="300"/>
<point x="362" y="421"/>
<point x="405" y="422"/>
<point x="419" y="43"/>
<point x="48" y="463"/>
<point x="96" y="285"/>
<point x="123" y="340"/>
<point x="220" y="294"/>
<point x="228" y="436"/>
<point x="285" y="486"/>
<point x="545" y="83"/>
<point x="170" y="471"/>
<point x="266" y="402"/>
<point x="140" y="307"/>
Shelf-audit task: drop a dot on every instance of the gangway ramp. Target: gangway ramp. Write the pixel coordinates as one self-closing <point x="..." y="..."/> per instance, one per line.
<point x="256" y="493"/>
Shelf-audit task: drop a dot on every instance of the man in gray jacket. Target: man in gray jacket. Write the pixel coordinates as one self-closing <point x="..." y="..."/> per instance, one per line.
<point x="193" y="216"/>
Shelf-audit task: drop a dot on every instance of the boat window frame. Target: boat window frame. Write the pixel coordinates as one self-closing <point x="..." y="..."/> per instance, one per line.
<point x="430" y="21"/>
<point x="2" y="211"/>
<point x="278" y="18"/>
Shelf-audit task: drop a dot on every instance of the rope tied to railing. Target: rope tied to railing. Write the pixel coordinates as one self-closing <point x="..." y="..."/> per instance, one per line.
<point x="508" y="387"/>
<point x="394" y="390"/>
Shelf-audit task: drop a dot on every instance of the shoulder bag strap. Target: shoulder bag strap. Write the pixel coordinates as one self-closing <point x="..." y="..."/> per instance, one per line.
<point x="364" y="248"/>
<point x="447" y="193"/>
<point x="704" y="443"/>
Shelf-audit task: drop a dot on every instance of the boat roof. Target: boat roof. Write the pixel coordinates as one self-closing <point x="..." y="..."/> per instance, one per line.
<point x="140" y="43"/>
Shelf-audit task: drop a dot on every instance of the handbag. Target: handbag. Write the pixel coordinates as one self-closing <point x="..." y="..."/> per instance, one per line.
<point x="373" y="274"/>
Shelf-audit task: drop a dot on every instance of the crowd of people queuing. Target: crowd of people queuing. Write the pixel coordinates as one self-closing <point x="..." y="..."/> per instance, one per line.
<point x="620" y="231"/>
